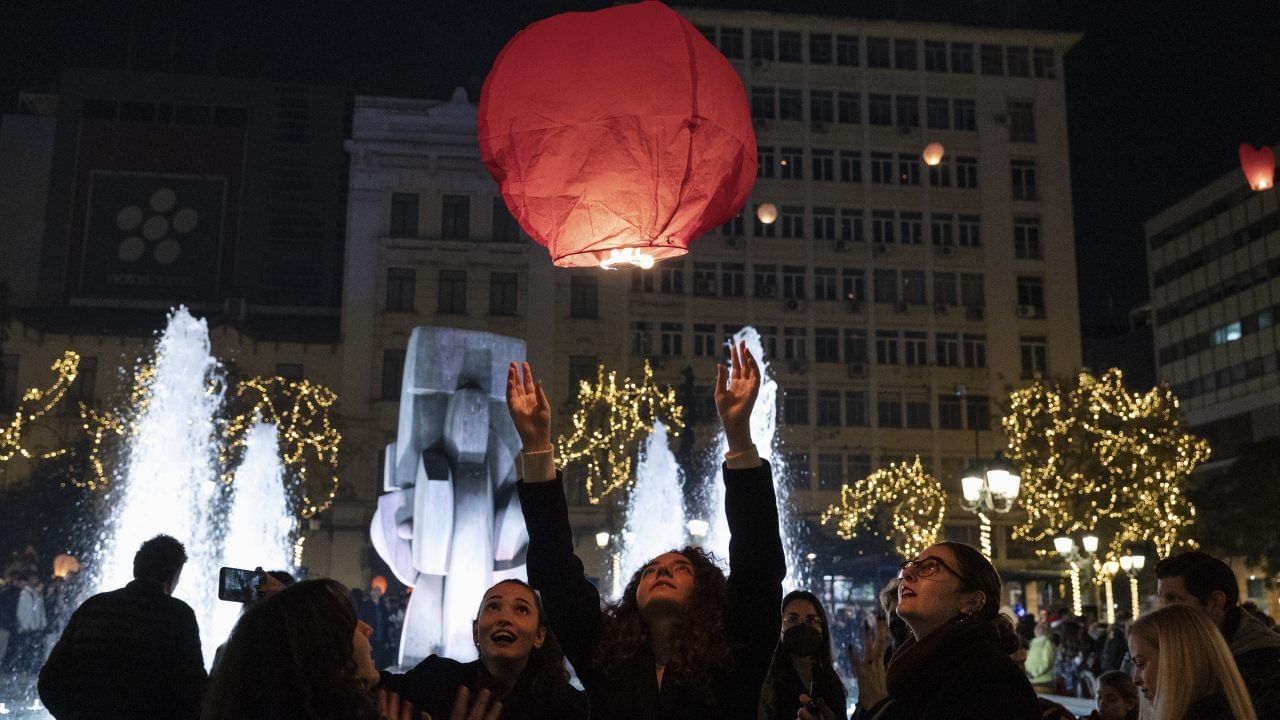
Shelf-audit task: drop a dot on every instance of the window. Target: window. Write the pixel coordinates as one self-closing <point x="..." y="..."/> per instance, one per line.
<point x="793" y="282"/>
<point x="761" y="44"/>
<point x="826" y="345"/>
<point x="961" y="57"/>
<point x="582" y="367"/>
<point x="904" y="54"/>
<point x="672" y="339"/>
<point x="855" y="408"/>
<point x="1022" y="121"/>
<point x="400" y="287"/>
<point x="935" y="56"/>
<point x="822" y="107"/>
<point x="641" y="338"/>
<point x="404" y="214"/>
<point x="950" y="412"/>
<point x="916" y="347"/>
<point x="969" y="230"/>
<point x="944" y="289"/>
<point x="824" y="165"/>
<point x="798" y="468"/>
<point x="850" y="166"/>
<point x="794" y="342"/>
<point x="878" y="53"/>
<point x="830" y="470"/>
<point x="978" y="412"/>
<point x="824" y="223"/>
<point x="967" y="172"/>
<point x="790" y="104"/>
<point x="942" y="229"/>
<point x="790" y="46"/>
<point x="795" y="407"/>
<point x="1026" y="238"/>
<point x="505" y="227"/>
<point x="992" y="59"/>
<point x="768" y="339"/>
<point x="913" y="291"/>
<point x="9" y="382"/>
<point x="704" y="278"/>
<point x="762" y="103"/>
<point x="288" y="371"/>
<point x="882" y="168"/>
<point x="820" y="48"/>
<point x="1042" y="63"/>
<point x="765" y="158"/>
<point x="791" y="218"/>
<point x="971" y="292"/>
<point x="671" y="279"/>
<point x="965" y="114"/>
<point x="882" y="226"/>
<point x="734" y="227"/>
<point x="732" y="279"/>
<point x="940" y="174"/>
<point x="708" y="32"/>
<point x="908" y="111"/>
<point x="704" y="340"/>
<point x="975" y="351"/>
<point x="887" y="347"/>
<point x="947" y="346"/>
<point x="853" y="284"/>
<point x="85" y="388"/>
<point x="937" y="113"/>
<point x="766" y="281"/>
<point x="829" y="409"/>
<point x="889" y="410"/>
<point x="791" y="164"/>
<point x="847" y="50"/>
<point x="855" y="345"/>
<point x="502" y="293"/>
<point x="455" y="217"/>
<point x="880" y="109"/>
<point x="851" y="228"/>
<point x="1031" y="293"/>
<point x="641" y="280"/>
<point x="824" y="284"/>
<point x="451" y="298"/>
<point x="910" y="224"/>
<point x="1024" y="179"/>
<point x="731" y="43"/>
<point x="392" y="373"/>
<point x="584" y="296"/>
<point x="918" y="412"/>
<point x="1034" y="357"/>
<point x="909" y="169"/>
<point x="849" y="108"/>
<point x="1019" y="59"/>
<point x="859" y="465"/>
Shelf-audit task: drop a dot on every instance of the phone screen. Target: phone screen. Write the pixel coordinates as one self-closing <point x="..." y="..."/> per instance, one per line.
<point x="237" y="585"/>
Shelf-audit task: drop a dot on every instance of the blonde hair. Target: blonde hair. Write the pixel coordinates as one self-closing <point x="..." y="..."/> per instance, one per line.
<point x="1194" y="662"/>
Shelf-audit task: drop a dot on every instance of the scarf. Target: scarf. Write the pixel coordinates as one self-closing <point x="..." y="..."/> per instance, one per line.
<point x="914" y="653"/>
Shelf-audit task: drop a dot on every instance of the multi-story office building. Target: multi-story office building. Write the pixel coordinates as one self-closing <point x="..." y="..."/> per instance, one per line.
<point x="883" y="286"/>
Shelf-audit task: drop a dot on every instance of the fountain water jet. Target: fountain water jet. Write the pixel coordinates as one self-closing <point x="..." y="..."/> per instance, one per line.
<point x="651" y="527"/>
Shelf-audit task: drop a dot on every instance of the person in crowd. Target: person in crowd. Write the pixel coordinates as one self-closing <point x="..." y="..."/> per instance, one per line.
<point x="520" y="664"/>
<point x="1068" y="659"/>
<point x="1049" y="710"/>
<point x="802" y="663"/>
<point x="1183" y="667"/>
<point x="1040" y="655"/>
<point x="1206" y="583"/>
<point x="269" y="584"/>
<point x="1116" y="698"/>
<point x="898" y="630"/>
<point x="683" y="642"/>
<point x="132" y="652"/>
<point x="31" y="621"/>
<point x="957" y="661"/>
<point x="1116" y="647"/>
<point x="9" y="592"/>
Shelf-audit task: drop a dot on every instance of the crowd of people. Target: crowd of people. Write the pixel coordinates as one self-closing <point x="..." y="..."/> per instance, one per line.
<point x="686" y="640"/>
<point x="32" y="605"/>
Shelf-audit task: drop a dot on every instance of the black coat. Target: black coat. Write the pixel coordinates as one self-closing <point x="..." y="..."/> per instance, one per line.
<point x="752" y="620"/>
<point x="970" y="677"/>
<point x="1256" y="649"/>
<point x="1210" y="707"/>
<point x="128" y="653"/>
<point x="433" y="684"/>
<point x="787" y="687"/>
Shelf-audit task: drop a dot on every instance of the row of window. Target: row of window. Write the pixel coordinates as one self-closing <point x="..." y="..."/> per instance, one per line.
<point x="1226" y="377"/>
<point x="1219" y="248"/>
<point x="1249" y="324"/>
<point x="846" y="50"/>
<point x="1201" y="215"/>
<point x="1218" y="291"/>
<point x="884" y="168"/>
<point x="883" y="109"/>
<point x="892" y="410"/>
<point x="164" y="113"/>
<point x="455" y="218"/>
<point x="887" y="226"/>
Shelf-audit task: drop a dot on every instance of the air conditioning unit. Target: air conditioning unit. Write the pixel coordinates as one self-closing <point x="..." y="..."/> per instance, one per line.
<point x="799" y="367"/>
<point x="940" y="308"/>
<point x="1001" y="118"/>
<point x="819" y="126"/>
<point x="1028" y="311"/>
<point x="856" y="369"/>
<point x="974" y="312"/>
<point x="704" y="287"/>
<point x="901" y="307"/>
<point x="793" y="305"/>
<point x="840" y="245"/>
<point x="880" y="248"/>
<point x="945" y="250"/>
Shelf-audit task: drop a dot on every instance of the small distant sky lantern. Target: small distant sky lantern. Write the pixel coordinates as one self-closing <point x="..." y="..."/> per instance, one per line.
<point x="933" y="153"/>
<point x="767" y="213"/>
<point x="64" y="565"/>
<point x="378" y="583"/>
<point x="1259" y="166"/>
<point x="617" y="137"/>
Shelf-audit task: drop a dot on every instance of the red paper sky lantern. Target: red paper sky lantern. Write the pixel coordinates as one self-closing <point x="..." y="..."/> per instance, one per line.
<point x="1259" y="166"/>
<point x="617" y="136"/>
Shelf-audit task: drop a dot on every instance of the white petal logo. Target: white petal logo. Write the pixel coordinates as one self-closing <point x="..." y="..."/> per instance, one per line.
<point x="156" y="229"/>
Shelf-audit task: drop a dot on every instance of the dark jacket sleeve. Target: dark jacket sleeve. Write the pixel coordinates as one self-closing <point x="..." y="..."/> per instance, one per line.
<point x="189" y="675"/>
<point x="571" y="601"/>
<point x="756" y="570"/>
<point x="983" y="690"/>
<point x="58" y="676"/>
<point x="1260" y="670"/>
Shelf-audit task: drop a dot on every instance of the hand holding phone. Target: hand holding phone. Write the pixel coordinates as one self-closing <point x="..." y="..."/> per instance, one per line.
<point x="239" y="585"/>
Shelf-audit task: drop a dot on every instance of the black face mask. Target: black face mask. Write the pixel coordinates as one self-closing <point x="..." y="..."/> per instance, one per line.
<point x="802" y="640"/>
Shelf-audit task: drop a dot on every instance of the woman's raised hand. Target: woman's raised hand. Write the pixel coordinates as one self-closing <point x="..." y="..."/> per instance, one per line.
<point x="530" y="410"/>
<point x="483" y="709"/>
<point x="736" y="395"/>
<point x="391" y="707"/>
<point x="870" y="668"/>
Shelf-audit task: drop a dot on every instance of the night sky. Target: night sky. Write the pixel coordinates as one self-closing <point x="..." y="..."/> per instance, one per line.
<point x="1159" y="94"/>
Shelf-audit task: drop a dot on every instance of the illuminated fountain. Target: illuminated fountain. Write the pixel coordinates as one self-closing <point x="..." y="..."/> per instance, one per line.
<point x="651" y="529"/>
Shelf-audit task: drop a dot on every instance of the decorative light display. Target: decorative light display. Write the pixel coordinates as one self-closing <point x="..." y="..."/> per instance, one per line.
<point x="35" y="403"/>
<point x="1099" y="458"/>
<point x="610" y="421"/>
<point x="99" y="426"/>
<point x="901" y="503"/>
<point x="616" y="137"/>
<point x="1258" y="165"/>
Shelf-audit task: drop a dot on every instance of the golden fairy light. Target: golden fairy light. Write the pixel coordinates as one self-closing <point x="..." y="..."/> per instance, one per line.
<point x="1097" y="457"/>
<point x="901" y="503"/>
<point x="100" y="427"/>
<point x="35" y="403"/>
<point x="609" y="423"/>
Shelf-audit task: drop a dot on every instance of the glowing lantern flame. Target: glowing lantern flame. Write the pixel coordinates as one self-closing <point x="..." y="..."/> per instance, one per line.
<point x="933" y="153"/>
<point x="626" y="257"/>
<point x="378" y="583"/>
<point x="767" y="213"/>
<point x="1259" y="166"/>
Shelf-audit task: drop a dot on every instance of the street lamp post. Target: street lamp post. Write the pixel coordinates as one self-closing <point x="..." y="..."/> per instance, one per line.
<point x="1131" y="564"/>
<point x="1071" y="552"/>
<point x="1106" y="572"/>
<point x="987" y="487"/>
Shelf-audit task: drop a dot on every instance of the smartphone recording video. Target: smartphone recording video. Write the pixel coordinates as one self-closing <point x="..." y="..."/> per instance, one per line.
<point x="238" y="585"/>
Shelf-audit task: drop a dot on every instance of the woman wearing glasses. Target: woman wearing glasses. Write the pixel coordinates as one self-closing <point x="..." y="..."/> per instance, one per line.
<point x="955" y="664"/>
<point x="802" y="662"/>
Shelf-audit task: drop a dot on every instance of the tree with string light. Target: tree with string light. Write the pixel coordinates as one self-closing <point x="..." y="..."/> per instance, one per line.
<point x="1097" y="457"/>
<point x="901" y="503"/>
